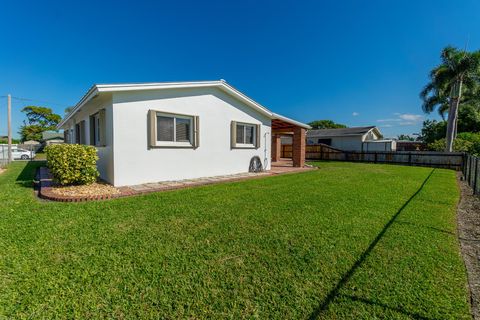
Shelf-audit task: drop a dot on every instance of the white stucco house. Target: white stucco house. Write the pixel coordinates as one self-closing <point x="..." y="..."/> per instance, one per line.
<point x="151" y="132"/>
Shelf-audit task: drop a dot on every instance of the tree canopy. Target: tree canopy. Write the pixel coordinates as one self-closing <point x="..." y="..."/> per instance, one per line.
<point x="468" y="121"/>
<point x="452" y="83"/>
<point x="39" y="119"/>
<point x="405" y="137"/>
<point x="325" y="124"/>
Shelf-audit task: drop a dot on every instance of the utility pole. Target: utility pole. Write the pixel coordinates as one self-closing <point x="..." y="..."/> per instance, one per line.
<point x="9" y="115"/>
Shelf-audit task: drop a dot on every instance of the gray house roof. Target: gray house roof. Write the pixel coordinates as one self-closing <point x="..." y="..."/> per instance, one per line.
<point x="50" y="135"/>
<point x="355" y="131"/>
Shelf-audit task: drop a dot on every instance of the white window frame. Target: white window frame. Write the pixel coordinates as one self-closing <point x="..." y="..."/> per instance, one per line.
<point x="245" y="125"/>
<point x="175" y="143"/>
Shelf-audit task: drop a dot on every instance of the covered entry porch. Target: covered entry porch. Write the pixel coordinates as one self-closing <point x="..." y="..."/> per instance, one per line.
<point x="282" y="126"/>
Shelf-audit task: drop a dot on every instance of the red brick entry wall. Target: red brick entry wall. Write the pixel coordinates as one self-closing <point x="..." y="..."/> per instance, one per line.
<point x="299" y="135"/>
<point x="276" y="147"/>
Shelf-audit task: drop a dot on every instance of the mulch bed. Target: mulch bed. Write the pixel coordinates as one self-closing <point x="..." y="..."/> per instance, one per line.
<point x="48" y="190"/>
<point x="468" y="218"/>
<point x="93" y="189"/>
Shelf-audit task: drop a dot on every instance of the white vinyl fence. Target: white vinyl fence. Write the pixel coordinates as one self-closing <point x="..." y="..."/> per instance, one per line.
<point x="3" y="155"/>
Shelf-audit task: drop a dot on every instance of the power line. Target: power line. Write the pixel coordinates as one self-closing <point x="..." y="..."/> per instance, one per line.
<point x="37" y="100"/>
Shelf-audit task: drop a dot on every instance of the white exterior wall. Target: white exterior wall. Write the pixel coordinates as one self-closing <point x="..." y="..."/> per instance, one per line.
<point x="347" y="143"/>
<point x="136" y="163"/>
<point x="105" y="162"/>
<point x="380" y="145"/>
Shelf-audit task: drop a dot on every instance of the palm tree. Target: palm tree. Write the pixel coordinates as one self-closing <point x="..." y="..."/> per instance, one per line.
<point x="458" y="74"/>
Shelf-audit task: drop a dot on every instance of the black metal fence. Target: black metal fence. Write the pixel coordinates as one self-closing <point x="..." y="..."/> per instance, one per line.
<point x="471" y="172"/>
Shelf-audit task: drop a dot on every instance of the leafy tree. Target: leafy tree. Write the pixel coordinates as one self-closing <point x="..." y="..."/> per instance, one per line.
<point x="433" y="130"/>
<point x="468" y="119"/>
<point x="405" y="137"/>
<point x="474" y="138"/>
<point x="325" y="124"/>
<point x="459" y="145"/>
<point x="4" y="140"/>
<point x="39" y="119"/>
<point x="454" y="79"/>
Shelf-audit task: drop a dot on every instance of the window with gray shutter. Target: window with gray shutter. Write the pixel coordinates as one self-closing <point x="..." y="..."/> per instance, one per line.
<point x="245" y="135"/>
<point x="97" y="129"/>
<point x="173" y="130"/>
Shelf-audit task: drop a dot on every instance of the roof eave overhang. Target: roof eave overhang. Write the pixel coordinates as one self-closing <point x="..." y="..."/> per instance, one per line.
<point x="92" y="92"/>
<point x="291" y="121"/>
<point x="222" y="85"/>
<point x="337" y="135"/>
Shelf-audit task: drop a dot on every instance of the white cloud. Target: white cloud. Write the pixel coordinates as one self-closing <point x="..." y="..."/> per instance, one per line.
<point x="388" y="120"/>
<point x="411" y="117"/>
<point x="403" y="119"/>
<point x="355" y="114"/>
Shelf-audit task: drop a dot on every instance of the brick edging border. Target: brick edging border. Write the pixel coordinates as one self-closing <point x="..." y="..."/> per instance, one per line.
<point x="45" y="190"/>
<point x="46" y="193"/>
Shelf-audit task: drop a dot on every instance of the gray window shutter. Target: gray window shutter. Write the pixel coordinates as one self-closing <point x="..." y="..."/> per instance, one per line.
<point x="233" y="134"/>
<point x="257" y="136"/>
<point x="152" y="135"/>
<point x="196" y="132"/>
<point x="101" y="116"/>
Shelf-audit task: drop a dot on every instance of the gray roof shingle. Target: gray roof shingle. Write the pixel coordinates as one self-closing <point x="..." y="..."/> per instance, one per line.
<point x="355" y="131"/>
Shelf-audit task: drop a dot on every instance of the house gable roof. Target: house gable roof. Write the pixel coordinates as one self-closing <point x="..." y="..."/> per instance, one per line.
<point x="49" y="135"/>
<point x="354" y="131"/>
<point x="220" y="84"/>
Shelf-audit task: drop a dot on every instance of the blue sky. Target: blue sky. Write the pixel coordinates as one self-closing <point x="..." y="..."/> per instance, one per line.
<point x="355" y="62"/>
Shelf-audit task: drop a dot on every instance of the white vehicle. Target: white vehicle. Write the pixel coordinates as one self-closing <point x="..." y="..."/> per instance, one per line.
<point x="22" y="154"/>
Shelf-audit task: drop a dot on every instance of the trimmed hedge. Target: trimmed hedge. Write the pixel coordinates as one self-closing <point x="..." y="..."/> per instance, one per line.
<point x="72" y="163"/>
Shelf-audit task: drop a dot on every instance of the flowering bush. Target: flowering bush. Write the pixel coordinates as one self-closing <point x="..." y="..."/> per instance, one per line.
<point x="72" y="163"/>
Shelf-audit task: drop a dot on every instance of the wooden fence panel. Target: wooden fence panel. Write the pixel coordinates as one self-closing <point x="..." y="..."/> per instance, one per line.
<point x="452" y="160"/>
<point x="471" y="172"/>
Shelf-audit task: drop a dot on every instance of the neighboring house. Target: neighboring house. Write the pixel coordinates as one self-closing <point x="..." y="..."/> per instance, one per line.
<point x="351" y="139"/>
<point x="31" y="143"/>
<point x="52" y="137"/>
<point x="153" y="132"/>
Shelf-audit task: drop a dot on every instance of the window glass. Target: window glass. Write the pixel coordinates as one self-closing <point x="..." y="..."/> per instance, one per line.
<point x="249" y="133"/>
<point x="165" y="127"/>
<point x="97" y="131"/>
<point x="240" y="133"/>
<point x="182" y="129"/>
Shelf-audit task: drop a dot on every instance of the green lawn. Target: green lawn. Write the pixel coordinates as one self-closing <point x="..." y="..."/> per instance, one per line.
<point x="356" y="241"/>
<point x="40" y="156"/>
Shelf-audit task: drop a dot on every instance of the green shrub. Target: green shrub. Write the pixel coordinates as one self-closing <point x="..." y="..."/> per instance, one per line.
<point x="72" y="163"/>
<point x="459" y="145"/>
<point x="472" y="137"/>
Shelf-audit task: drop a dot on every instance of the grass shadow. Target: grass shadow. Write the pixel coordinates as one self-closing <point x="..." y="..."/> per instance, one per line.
<point x="416" y="225"/>
<point x="412" y="315"/>
<point x="25" y="178"/>
<point x="346" y="277"/>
